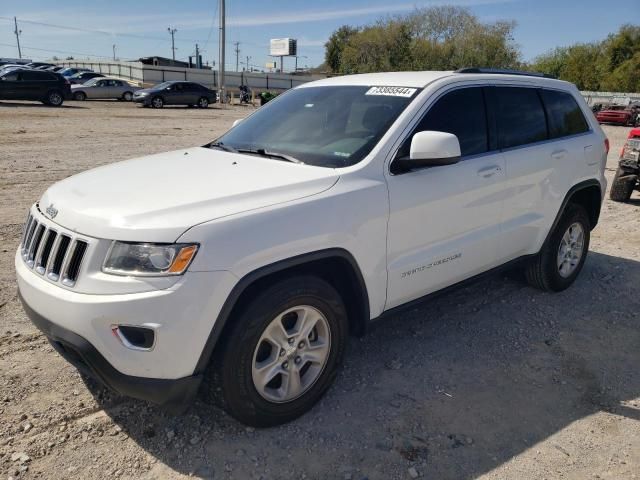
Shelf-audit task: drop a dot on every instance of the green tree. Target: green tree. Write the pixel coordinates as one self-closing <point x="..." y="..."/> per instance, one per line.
<point x="437" y="38"/>
<point x="612" y="64"/>
<point x="335" y="46"/>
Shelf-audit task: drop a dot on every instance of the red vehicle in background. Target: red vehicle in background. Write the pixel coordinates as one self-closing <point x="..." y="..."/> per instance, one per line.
<point x="628" y="173"/>
<point x="620" y="115"/>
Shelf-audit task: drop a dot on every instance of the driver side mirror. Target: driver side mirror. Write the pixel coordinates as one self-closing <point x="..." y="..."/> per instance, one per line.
<point x="430" y="149"/>
<point x="236" y="122"/>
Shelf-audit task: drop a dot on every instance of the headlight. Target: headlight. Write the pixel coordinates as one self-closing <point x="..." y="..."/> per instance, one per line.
<point x="142" y="94"/>
<point x="149" y="259"/>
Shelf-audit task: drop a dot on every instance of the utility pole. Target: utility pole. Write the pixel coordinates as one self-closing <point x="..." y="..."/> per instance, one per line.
<point x="222" y="49"/>
<point x="114" y="52"/>
<point x="173" y="31"/>
<point x="237" y="44"/>
<point x="17" y="32"/>
<point x="198" y="65"/>
<point x="248" y="57"/>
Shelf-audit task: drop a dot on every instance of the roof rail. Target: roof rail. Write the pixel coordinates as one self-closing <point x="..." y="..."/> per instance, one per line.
<point x="502" y="71"/>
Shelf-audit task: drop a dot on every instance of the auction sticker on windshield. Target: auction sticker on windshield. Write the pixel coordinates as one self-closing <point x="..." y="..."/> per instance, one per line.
<point x="392" y="91"/>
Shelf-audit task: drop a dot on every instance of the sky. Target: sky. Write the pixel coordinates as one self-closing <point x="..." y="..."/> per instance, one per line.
<point x="139" y="27"/>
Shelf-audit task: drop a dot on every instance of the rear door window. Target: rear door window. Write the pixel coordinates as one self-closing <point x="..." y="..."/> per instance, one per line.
<point x="564" y="115"/>
<point x="519" y="115"/>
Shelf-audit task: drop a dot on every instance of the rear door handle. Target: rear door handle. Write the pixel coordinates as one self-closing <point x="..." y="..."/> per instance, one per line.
<point x="559" y="154"/>
<point x="489" y="171"/>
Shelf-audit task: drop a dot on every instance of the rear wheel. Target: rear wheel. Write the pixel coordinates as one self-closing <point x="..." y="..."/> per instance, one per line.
<point x="80" y="96"/>
<point x="621" y="187"/>
<point x="203" y="102"/>
<point x="283" y="352"/>
<point x="561" y="259"/>
<point x="127" y="96"/>
<point x="157" y="102"/>
<point x="54" y="98"/>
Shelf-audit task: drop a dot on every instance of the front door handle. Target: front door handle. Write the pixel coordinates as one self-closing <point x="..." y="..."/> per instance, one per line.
<point x="559" y="154"/>
<point x="489" y="171"/>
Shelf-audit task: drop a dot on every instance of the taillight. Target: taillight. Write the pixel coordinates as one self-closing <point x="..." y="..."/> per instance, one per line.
<point x="606" y="145"/>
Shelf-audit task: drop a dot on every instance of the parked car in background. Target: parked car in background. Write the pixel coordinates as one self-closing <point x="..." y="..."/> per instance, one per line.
<point x="39" y="64"/>
<point x="175" y="93"/>
<point x="53" y="69"/>
<point x="620" y="115"/>
<point x="12" y="66"/>
<point x="84" y="77"/>
<point x="627" y="178"/>
<point x="68" y="72"/>
<point x="104" y="88"/>
<point x="26" y="84"/>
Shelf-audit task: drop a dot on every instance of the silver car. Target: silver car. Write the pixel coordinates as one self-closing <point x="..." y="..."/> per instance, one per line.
<point x="99" y="88"/>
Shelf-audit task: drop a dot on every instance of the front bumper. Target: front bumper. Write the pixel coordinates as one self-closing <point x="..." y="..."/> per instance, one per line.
<point x="182" y="317"/>
<point x="146" y="100"/>
<point x="174" y="395"/>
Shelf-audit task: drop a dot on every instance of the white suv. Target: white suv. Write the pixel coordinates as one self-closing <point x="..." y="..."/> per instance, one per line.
<point x="250" y="260"/>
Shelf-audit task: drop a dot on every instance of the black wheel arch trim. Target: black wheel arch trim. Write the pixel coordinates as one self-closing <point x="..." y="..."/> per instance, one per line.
<point x="567" y="199"/>
<point x="250" y="278"/>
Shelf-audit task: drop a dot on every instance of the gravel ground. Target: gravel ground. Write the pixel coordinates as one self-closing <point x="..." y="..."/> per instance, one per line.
<point x="495" y="381"/>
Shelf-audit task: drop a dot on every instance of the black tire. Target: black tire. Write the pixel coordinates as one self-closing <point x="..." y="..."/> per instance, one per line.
<point x="54" y="98"/>
<point x="621" y="188"/>
<point x="157" y="102"/>
<point x="127" y="96"/>
<point x="80" y="96"/>
<point x="230" y="382"/>
<point x="543" y="271"/>
<point x="203" y="102"/>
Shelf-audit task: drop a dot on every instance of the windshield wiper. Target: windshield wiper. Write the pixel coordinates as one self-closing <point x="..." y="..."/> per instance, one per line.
<point x="222" y="146"/>
<point x="265" y="153"/>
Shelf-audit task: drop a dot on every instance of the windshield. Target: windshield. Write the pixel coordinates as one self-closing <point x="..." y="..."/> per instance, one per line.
<point x="92" y="81"/>
<point x="324" y="126"/>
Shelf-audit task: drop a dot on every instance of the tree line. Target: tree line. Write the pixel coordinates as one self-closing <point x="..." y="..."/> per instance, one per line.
<point x="451" y="37"/>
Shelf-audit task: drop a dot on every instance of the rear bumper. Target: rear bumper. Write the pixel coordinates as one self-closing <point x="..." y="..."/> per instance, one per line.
<point x="173" y="394"/>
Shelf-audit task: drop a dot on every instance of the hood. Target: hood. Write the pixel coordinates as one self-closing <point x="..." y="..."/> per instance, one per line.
<point x="146" y="90"/>
<point x="156" y="198"/>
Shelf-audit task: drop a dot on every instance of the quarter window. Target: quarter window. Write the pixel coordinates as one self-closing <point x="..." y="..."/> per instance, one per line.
<point x="461" y="112"/>
<point x="520" y="116"/>
<point x="564" y="114"/>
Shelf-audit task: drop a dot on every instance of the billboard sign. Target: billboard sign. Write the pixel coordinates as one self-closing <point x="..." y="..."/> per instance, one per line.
<point x="283" y="47"/>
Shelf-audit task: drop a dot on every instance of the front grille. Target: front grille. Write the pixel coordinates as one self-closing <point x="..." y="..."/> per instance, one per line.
<point x="55" y="255"/>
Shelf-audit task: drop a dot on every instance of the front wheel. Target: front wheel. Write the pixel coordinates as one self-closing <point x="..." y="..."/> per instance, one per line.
<point x="562" y="257"/>
<point x="157" y="102"/>
<point x="80" y="96"/>
<point x="282" y="353"/>
<point x="621" y="187"/>
<point x="54" y="98"/>
<point x="203" y="102"/>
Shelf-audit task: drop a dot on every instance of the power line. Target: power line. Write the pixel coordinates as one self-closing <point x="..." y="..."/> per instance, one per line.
<point x="66" y="52"/>
<point x="101" y="32"/>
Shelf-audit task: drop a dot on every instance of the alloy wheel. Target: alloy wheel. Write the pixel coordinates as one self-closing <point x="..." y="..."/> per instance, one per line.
<point x="291" y="354"/>
<point x="570" y="250"/>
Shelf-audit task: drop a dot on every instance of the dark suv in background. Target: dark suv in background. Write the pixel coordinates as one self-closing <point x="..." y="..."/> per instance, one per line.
<point x="47" y="87"/>
<point x="175" y="93"/>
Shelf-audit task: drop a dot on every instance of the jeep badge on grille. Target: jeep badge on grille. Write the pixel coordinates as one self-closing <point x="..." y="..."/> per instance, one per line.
<point x="51" y="211"/>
